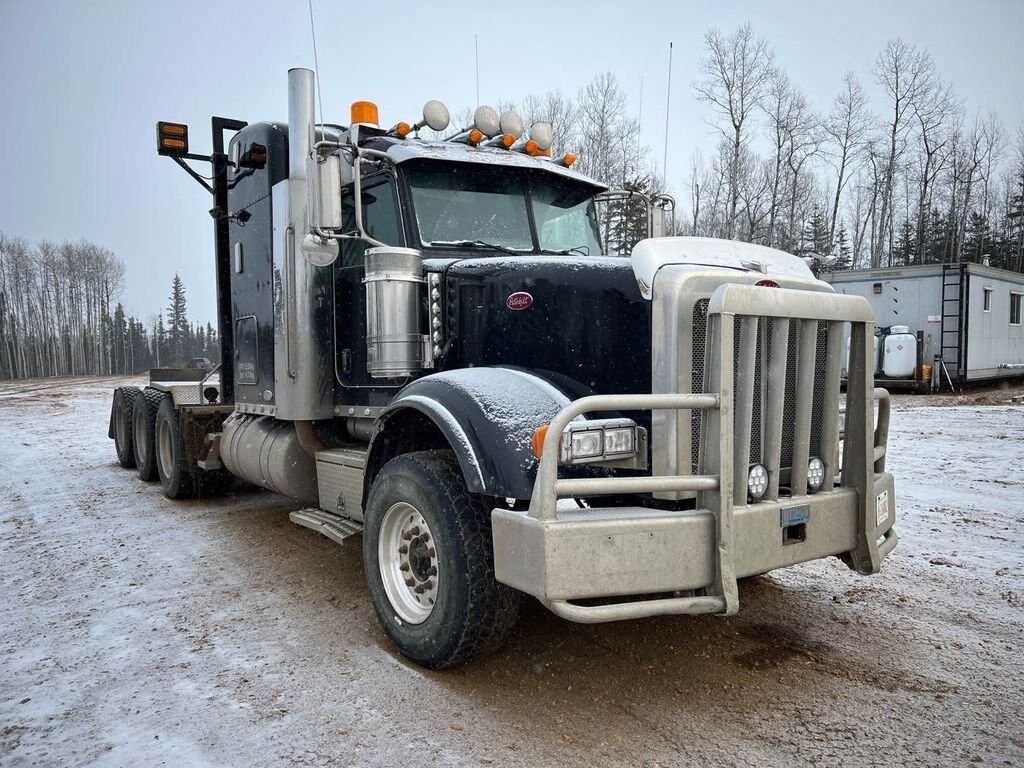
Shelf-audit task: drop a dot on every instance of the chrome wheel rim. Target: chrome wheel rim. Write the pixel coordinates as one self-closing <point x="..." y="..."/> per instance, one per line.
<point x="409" y="566"/>
<point x="121" y="428"/>
<point x="166" y="448"/>
<point x="139" y="432"/>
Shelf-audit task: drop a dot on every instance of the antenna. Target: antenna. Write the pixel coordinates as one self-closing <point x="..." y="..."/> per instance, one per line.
<point x="639" y="123"/>
<point x="316" y="66"/>
<point x="668" y="102"/>
<point x="476" y="53"/>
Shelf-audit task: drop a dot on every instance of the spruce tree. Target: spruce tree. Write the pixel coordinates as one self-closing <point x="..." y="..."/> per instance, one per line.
<point x="177" y="330"/>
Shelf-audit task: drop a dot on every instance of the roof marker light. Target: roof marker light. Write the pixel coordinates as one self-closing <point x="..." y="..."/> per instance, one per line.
<point x="364" y="112"/>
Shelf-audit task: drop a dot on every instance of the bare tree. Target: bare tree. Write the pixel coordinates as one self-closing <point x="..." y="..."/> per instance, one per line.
<point x="846" y="130"/>
<point x="905" y="73"/>
<point x="736" y="70"/>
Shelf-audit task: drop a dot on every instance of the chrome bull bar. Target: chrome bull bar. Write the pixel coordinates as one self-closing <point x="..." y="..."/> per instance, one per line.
<point x="724" y="455"/>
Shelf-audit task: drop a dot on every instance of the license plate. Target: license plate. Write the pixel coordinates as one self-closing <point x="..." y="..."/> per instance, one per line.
<point x="794" y="515"/>
<point x="882" y="508"/>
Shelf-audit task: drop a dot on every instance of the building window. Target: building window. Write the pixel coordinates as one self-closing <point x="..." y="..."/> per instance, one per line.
<point x="988" y="300"/>
<point x="1015" y="308"/>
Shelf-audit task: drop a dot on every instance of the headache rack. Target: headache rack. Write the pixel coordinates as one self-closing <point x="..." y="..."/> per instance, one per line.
<point x="804" y="331"/>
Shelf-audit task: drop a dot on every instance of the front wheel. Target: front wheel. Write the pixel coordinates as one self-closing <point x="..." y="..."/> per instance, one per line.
<point x="429" y="562"/>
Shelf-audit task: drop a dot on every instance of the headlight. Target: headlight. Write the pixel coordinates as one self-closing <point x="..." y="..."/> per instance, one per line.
<point x="585" y="442"/>
<point x="815" y="473"/>
<point x="757" y="482"/>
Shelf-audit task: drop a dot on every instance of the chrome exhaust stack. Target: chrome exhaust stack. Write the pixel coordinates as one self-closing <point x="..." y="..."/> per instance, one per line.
<point x="303" y="363"/>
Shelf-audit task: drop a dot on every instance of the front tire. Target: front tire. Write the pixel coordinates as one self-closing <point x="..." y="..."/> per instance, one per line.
<point x="429" y="562"/>
<point x="172" y="466"/>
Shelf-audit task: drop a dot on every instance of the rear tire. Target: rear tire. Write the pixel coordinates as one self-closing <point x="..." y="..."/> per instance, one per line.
<point x="124" y="403"/>
<point x="144" y="430"/>
<point x="172" y="464"/>
<point x="454" y="610"/>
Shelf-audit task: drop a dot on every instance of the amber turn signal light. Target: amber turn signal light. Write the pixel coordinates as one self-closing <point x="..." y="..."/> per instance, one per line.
<point x="171" y="138"/>
<point x="537" y="441"/>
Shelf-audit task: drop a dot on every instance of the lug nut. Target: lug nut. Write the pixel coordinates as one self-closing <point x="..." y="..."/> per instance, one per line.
<point x="427" y="585"/>
<point x="432" y="571"/>
<point x="430" y="551"/>
<point x="403" y="567"/>
<point x="403" y="550"/>
<point x="410" y="582"/>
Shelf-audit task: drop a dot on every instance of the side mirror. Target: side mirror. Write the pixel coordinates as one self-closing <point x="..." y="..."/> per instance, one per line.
<point x="323" y="183"/>
<point x="323" y="208"/>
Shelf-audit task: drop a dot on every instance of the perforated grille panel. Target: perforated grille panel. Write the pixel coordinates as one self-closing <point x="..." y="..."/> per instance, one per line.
<point x="762" y="361"/>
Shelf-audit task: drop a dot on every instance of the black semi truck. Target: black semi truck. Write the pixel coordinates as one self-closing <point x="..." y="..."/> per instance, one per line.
<point x="422" y="342"/>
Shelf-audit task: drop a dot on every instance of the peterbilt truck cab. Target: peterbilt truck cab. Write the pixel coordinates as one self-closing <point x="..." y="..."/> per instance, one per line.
<point x="423" y="343"/>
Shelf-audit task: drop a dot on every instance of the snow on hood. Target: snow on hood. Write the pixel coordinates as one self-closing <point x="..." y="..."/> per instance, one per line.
<point x="651" y="255"/>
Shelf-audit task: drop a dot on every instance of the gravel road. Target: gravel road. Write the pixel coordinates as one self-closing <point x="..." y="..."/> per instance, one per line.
<point x="140" y="631"/>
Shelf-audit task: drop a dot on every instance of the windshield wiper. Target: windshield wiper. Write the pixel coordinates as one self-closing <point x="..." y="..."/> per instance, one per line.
<point x="474" y="244"/>
<point x="582" y="250"/>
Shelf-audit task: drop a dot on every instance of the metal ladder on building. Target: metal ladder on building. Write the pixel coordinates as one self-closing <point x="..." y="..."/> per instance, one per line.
<point x="951" y="334"/>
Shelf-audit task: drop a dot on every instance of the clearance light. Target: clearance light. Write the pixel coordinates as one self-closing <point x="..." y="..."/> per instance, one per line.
<point x="171" y="138"/>
<point x="402" y="130"/>
<point x="531" y="148"/>
<point x="507" y="140"/>
<point x="569" y="159"/>
<point x="585" y="442"/>
<point x="476" y="136"/>
<point x="364" y="112"/>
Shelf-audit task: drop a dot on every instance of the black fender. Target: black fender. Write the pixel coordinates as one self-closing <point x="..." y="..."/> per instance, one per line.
<point x="486" y="415"/>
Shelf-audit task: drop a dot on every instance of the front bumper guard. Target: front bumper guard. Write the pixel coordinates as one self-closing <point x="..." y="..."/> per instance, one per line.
<point x="562" y="557"/>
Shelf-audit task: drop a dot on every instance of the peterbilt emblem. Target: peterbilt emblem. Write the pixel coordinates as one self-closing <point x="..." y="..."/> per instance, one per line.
<point x="519" y="300"/>
<point x="767" y="283"/>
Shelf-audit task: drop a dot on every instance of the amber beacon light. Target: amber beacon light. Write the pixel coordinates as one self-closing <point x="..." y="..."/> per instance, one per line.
<point x="171" y="138"/>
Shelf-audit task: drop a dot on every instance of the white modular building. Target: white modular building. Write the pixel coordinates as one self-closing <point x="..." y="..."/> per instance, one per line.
<point x="969" y="315"/>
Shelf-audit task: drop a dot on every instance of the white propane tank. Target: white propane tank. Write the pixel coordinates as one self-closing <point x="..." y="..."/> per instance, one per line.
<point x="900" y="356"/>
<point x="874" y="355"/>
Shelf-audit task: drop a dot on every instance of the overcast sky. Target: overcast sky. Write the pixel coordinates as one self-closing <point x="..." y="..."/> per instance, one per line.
<point x="83" y="83"/>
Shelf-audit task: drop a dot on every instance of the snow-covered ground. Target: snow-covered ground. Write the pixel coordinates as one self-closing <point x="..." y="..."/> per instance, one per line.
<point x="140" y="631"/>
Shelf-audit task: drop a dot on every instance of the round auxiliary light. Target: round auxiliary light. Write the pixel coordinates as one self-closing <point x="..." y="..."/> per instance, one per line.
<point x="815" y="473"/>
<point x="486" y="120"/>
<point x="511" y="124"/>
<point x="435" y="115"/>
<point x="543" y="135"/>
<point x="757" y="482"/>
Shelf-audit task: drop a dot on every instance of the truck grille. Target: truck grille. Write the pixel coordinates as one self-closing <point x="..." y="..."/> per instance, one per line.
<point x="762" y="362"/>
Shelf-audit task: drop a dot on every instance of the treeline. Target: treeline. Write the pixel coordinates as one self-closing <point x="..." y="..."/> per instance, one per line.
<point x="892" y="172"/>
<point x="61" y="315"/>
<point x="907" y="177"/>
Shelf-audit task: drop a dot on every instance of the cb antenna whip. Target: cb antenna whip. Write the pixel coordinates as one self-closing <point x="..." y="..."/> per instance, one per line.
<point x="316" y="64"/>
<point x="668" y="104"/>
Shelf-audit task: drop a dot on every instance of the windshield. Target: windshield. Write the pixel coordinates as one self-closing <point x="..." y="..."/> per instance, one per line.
<point x="467" y="205"/>
<point x="566" y="217"/>
<point x="459" y="203"/>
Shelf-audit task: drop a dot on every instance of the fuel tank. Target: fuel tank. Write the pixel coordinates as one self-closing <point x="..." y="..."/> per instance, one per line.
<point x="267" y="453"/>
<point x="580" y="321"/>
